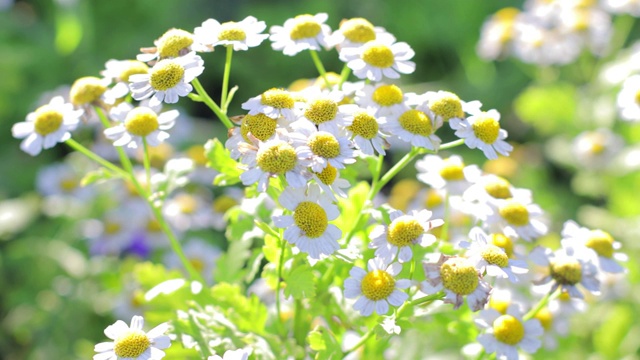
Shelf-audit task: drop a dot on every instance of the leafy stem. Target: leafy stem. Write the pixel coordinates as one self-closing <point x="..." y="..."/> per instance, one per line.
<point x="225" y="79"/>
<point x="205" y="98"/>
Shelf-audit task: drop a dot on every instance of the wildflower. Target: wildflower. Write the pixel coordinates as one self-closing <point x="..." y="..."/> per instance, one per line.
<point x="242" y="35"/>
<point x="303" y="32"/>
<point x="457" y="277"/>
<point x="379" y="58"/>
<point x="629" y="99"/>
<point x="414" y="126"/>
<point x="497" y="33"/>
<point x="505" y="333"/>
<point x="364" y="130"/>
<point x="324" y="110"/>
<point x="483" y="131"/>
<point x="490" y="187"/>
<point x="322" y="148"/>
<point x="386" y="99"/>
<point x="238" y="354"/>
<point x="404" y="231"/>
<point x="450" y="173"/>
<point x="330" y="182"/>
<point x="172" y="44"/>
<point x="139" y="124"/>
<point x="600" y="244"/>
<point x="186" y="211"/>
<point x="118" y="73"/>
<point x="167" y="80"/>
<point x="622" y="7"/>
<point x="273" y="103"/>
<point x="518" y="218"/>
<point x="597" y="149"/>
<point x="491" y="259"/>
<point x="87" y="90"/>
<point x="376" y="288"/>
<point x="47" y="126"/>
<point x="131" y="342"/>
<point x="308" y="227"/>
<point x="356" y="32"/>
<point x="567" y="268"/>
<point x="446" y="105"/>
<point x="63" y="179"/>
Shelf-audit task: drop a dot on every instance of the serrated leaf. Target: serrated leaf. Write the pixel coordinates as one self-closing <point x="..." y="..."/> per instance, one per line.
<point x="95" y="176"/>
<point x="219" y="158"/>
<point x="248" y="313"/>
<point x="300" y="283"/>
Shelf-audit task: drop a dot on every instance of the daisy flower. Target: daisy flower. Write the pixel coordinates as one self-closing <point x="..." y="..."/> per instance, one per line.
<point x="446" y="105"/>
<point x="622" y="7"/>
<point x="242" y="35"/>
<point x="47" y="126"/>
<point x="303" y="32"/>
<point x="517" y="218"/>
<point x="230" y="198"/>
<point x="628" y="99"/>
<point x="598" y="243"/>
<point x="330" y="182"/>
<point x="118" y="73"/>
<point x="88" y="90"/>
<point x="324" y="110"/>
<point x="489" y="187"/>
<point x="167" y="80"/>
<point x="597" y="149"/>
<point x="172" y="44"/>
<point x="308" y="227"/>
<point x="238" y="354"/>
<point x="491" y="259"/>
<point x="273" y="103"/>
<point x="496" y="34"/>
<point x="356" y="32"/>
<point x="186" y="211"/>
<point x="483" y="131"/>
<point x="384" y="98"/>
<point x="131" y="342"/>
<point x="379" y="58"/>
<point x="404" y="231"/>
<point x="506" y="333"/>
<point x="450" y="173"/>
<point x="63" y="179"/>
<point x="364" y="130"/>
<point x="322" y="148"/>
<point x="376" y="288"/>
<point x="139" y="124"/>
<point x="567" y="268"/>
<point x="415" y="126"/>
<point x="457" y="277"/>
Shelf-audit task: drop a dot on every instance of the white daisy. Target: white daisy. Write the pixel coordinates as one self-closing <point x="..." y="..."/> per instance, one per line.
<point x="376" y="288"/>
<point x="379" y="58"/>
<point x="118" y="73"/>
<point x="364" y="130"/>
<point x="414" y="126"/>
<point x="47" y="126"/>
<point x="356" y="32"/>
<point x="600" y="245"/>
<point x="506" y="333"/>
<point x="63" y="179"/>
<point x="533" y="42"/>
<point x="242" y="35"/>
<point x="446" y="105"/>
<point x="186" y="211"/>
<point x="167" y="80"/>
<point x="273" y="103"/>
<point x="322" y="148"/>
<point x="87" y="91"/>
<point x="386" y="99"/>
<point x="596" y="149"/>
<point x="238" y="354"/>
<point x="490" y="187"/>
<point x="496" y="34"/>
<point x="450" y="173"/>
<point x="331" y="183"/>
<point x="131" y="342"/>
<point x="172" y="44"/>
<point x="457" y="277"/>
<point x="483" y="131"/>
<point x="139" y="123"/>
<point x="517" y="218"/>
<point x="404" y="231"/>
<point x="303" y="32"/>
<point x="629" y="99"/>
<point x="323" y="109"/>
<point x="308" y="227"/>
<point x="623" y="7"/>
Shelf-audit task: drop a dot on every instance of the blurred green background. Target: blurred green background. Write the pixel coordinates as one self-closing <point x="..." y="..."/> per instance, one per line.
<point x="51" y="305"/>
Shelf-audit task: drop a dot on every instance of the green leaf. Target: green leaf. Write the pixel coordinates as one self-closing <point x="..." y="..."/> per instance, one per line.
<point x="234" y="259"/>
<point x="300" y="283"/>
<point x="548" y="108"/>
<point x="316" y="340"/>
<point x="248" y="313"/>
<point x="219" y="158"/>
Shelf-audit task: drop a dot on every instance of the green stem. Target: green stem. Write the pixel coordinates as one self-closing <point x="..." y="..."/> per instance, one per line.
<point x="146" y="161"/>
<point x="344" y="75"/>
<point x="279" y="276"/>
<point x="320" y="67"/>
<point x="225" y="79"/>
<point x="406" y="159"/>
<point x="541" y="304"/>
<point x="363" y="340"/>
<point x="375" y="177"/>
<point x="93" y="156"/>
<point x="451" y="144"/>
<point x="299" y="330"/>
<point x="211" y="104"/>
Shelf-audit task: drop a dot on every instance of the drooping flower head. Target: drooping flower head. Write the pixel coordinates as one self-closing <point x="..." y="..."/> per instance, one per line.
<point x="172" y="44"/>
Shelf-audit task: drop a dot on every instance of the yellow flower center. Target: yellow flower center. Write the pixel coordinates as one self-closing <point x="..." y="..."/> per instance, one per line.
<point x="68" y="185"/>
<point x="364" y="125"/>
<point x="223" y="203"/>
<point x="514" y="212"/>
<point x="447" y="105"/>
<point x="310" y="218"/>
<point x="581" y="21"/>
<point x="141" y="121"/>
<point x="321" y="110"/>
<point x="48" y="120"/>
<point x="566" y="271"/>
<point x="378" y="55"/>
<point x="499" y="188"/>
<point x="601" y="242"/>
<point x="166" y="74"/>
<point x="133" y="67"/>
<point x="306" y="27"/>
<point x="433" y="199"/>
<point x="277" y="98"/>
<point x="502" y="241"/>
<point x="278" y="158"/>
<point x="637" y="98"/>
<point x="495" y="256"/>
<point x="131" y="344"/>
<point x="260" y="125"/>
<point x="403" y="231"/>
<point x="597" y="142"/>
<point x="154" y="226"/>
<point x="86" y="90"/>
<point x="377" y="285"/>
<point x="111" y="227"/>
<point x="231" y="32"/>
<point x="499" y="305"/>
<point x="452" y="170"/>
<point x="507" y="329"/>
<point x="197" y="264"/>
<point x="173" y="42"/>
<point x="545" y="317"/>
<point x="324" y="144"/>
<point x="197" y="154"/>
<point x="459" y="276"/>
<point x="416" y="122"/>
<point x="358" y="30"/>
<point x="387" y="95"/>
<point x="186" y="203"/>
<point x="486" y="129"/>
<point x="328" y="175"/>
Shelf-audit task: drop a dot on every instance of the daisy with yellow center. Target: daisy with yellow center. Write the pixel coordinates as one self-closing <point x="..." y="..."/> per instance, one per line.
<point x="364" y="130"/>
<point x="450" y="173"/>
<point x="274" y="103"/>
<point x="376" y="288"/>
<point x="331" y="183"/>
<point x="242" y="35"/>
<point x="47" y="126"/>
<point x="303" y="32"/>
<point x="168" y="80"/>
<point x="497" y="33"/>
<point x="404" y="231"/>
<point x="597" y="149"/>
<point x="186" y="211"/>
<point x="567" y="268"/>
<point x="457" y="277"/>
<point x="379" y="58"/>
<point x="492" y="260"/>
<point x="482" y="130"/>
<point x="172" y="44"/>
<point x="488" y="188"/>
<point x="416" y="126"/>
<point x="136" y="124"/>
<point x="506" y="333"/>
<point x="200" y="253"/>
<point x="384" y="98"/>
<point x="88" y="90"/>
<point x="63" y="179"/>
<point x="597" y="244"/>
<point x="132" y="342"/>
<point x="324" y="110"/>
<point x="322" y="148"/>
<point x="446" y="105"/>
<point x="517" y="218"/>
<point x="356" y="32"/>
<point x="118" y="73"/>
<point x="308" y="227"/>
